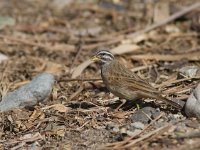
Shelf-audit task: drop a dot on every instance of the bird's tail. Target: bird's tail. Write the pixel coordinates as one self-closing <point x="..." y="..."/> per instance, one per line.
<point x="177" y="104"/>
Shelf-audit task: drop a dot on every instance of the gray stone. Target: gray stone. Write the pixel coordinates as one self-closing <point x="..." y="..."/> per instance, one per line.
<point x="192" y="107"/>
<point x="189" y="71"/>
<point x="143" y="115"/>
<point x="138" y="125"/>
<point x="30" y="94"/>
<point x="116" y="129"/>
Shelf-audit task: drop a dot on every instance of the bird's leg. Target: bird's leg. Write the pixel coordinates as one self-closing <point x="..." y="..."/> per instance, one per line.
<point x="123" y="102"/>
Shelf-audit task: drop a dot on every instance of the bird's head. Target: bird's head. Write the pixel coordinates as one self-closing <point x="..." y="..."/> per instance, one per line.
<point x="103" y="56"/>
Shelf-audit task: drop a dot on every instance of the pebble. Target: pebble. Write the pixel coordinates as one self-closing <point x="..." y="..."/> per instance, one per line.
<point x="30" y="94"/>
<point x="190" y="71"/>
<point x="192" y="107"/>
<point x="143" y="115"/>
<point x="137" y="125"/>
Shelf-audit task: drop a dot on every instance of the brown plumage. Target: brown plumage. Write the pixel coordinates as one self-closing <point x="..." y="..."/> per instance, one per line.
<point x="124" y="83"/>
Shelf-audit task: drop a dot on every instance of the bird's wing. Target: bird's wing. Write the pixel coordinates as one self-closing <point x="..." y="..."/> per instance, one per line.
<point x="128" y="80"/>
<point x="131" y="80"/>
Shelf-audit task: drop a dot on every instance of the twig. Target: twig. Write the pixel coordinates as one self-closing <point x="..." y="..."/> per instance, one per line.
<point x="141" y="68"/>
<point x="78" y="79"/>
<point x="167" y="20"/>
<point x="193" y="56"/>
<point x="105" y="43"/>
<point x="30" y="43"/>
<point x="79" y="48"/>
<point x="75" y="94"/>
<point x="154" y="133"/>
<point x="194" y="134"/>
<point x="133" y="142"/>
<point x="169" y="83"/>
<point x="117" y="144"/>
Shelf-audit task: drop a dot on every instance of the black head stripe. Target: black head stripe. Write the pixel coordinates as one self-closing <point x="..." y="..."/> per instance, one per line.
<point x="105" y="57"/>
<point x="106" y="54"/>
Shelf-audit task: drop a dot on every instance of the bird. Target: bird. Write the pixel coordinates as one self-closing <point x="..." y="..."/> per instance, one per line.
<point x="124" y="83"/>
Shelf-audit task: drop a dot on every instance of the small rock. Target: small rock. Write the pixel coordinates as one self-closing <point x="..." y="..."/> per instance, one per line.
<point x="161" y="122"/>
<point x="192" y="124"/>
<point x="60" y="4"/>
<point x="180" y="129"/>
<point x="123" y="130"/>
<point x="6" y="21"/>
<point x="143" y="115"/>
<point x="190" y="71"/>
<point x="133" y="133"/>
<point x="138" y="125"/>
<point x="116" y="129"/>
<point x="192" y="107"/>
<point x="30" y="94"/>
<point x="3" y="57"/>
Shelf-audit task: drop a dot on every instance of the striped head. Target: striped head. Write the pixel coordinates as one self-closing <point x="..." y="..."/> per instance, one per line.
<point x="102" y="56"/>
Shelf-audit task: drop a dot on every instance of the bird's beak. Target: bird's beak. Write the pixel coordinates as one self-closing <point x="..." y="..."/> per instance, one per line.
<point x="95" y="58"/>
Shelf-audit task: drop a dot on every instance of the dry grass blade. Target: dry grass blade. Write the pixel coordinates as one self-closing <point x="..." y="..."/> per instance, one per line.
<point x="125" y="48"/>
<point x="3" y="57"/>
<point x="58" y="107"/>
<point x="169" y="83"/>
<point x="78" y="70"/>
<point x="40" y="45"/>
<point x="151" y="135"/>
<point x="165" y="21"/>
<point x="79" y="48"/>
<point x="78" y="79"/>
<point x="133" y="137"/>
<point x="194" y="56"/>
<point x="143" y="138"/>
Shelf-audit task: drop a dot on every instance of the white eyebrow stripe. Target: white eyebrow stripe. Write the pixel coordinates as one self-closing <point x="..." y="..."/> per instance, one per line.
<point x="106" y="52"/>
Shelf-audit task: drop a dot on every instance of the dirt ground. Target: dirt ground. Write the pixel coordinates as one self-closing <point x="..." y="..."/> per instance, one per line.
<point x="56" y="36"/>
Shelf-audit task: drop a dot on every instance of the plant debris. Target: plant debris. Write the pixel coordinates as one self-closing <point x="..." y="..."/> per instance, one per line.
<point x="157" y="40"/>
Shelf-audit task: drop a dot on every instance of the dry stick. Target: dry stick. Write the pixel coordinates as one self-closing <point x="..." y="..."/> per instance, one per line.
<point x="167" y="20"/>
<point x="79" y="48"/>
<point x="193" y="56"/>
<point x="30" y="43"/>
<point x="75" y="94"/>
<point x="152" y="122"/>
<point x="155" y="132"/>
<point x="23" y="41"/>
<point x="131" y="138"/>
<point x="78" y="79"/>
<point x="106" y="43"/>
<point x="168" y="83"/>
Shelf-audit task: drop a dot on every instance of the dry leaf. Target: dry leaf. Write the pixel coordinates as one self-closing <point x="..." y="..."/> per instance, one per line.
<point x="62" y="47"/>
<point x="60" y="132"/>
<point x="35" y="115"/>
<point x="78" y="70"/>
<point x="54" y="68"/>
<point x="161" y="11"/>
<point x="3" y="57"/>
<point x="120" y="115"/>
<point x="58" y="107"/>
<point x="86" y="31"/>
<point x="140" y="38"/>
<point x="31" y="137"/>
<point x="195" y="56"/>
<point x="125" y="48"/>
